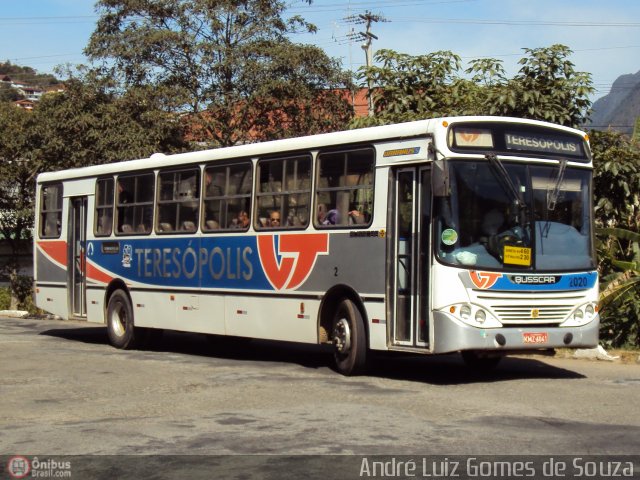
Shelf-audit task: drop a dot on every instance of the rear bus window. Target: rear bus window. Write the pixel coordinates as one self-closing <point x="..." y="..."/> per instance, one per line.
<point x="344" y="193"/>
<point x="51" y="211"/>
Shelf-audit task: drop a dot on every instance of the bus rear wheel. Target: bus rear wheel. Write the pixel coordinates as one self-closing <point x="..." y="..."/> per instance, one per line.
<point x="349" y="339"/>
<point x="120" y="327"/>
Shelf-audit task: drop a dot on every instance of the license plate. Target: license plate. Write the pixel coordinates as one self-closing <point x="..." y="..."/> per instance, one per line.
<point x="535" y="337"/>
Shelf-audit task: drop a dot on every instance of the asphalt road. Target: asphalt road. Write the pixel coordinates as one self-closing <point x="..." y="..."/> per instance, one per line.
<point x="65" y="391"/>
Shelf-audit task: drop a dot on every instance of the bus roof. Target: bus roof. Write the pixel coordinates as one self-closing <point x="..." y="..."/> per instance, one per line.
<point x="363" y="135"/>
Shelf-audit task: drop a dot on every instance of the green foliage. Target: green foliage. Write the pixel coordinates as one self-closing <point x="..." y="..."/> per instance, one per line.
<point x="619" y="253"/>
<point x="23" y="296"/>
<point x="616" y="180"/>
<point x="547" y="87"/>
<point x="9" y="94"/>
<point x="5" y="298"/>
<point x="407" y="87"/>
<point x="90" y="124"/>
<point x="228" y="63"/>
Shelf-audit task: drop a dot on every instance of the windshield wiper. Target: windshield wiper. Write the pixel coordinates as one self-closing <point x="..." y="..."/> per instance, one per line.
<point x="509" y="187"/>
<point x="554" y="194"/>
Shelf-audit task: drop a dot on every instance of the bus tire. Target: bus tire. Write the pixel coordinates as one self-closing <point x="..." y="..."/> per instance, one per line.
<point x="120" y="327"/>
<point x="349" y="339"/>
<point x="480" y="362"/>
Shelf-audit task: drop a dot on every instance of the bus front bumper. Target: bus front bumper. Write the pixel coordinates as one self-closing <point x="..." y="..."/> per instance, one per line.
<point x="451" y="335"/>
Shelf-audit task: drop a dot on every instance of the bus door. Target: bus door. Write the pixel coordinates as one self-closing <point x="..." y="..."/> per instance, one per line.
<point x="77" y="265"/>
<point x="411" y="219"/>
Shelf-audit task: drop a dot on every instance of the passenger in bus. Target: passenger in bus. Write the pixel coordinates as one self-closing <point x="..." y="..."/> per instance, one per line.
<point x="322" y="213"/>
<point x="241" y="221"/>
<point x="212" y="188"/>
<point x="332" y="218"/>
<point x="124" y="212"/>
<point x="294" y="220"/>
<point x="274" y="219"/>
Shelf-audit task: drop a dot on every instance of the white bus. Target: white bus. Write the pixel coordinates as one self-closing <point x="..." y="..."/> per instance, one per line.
<point x="460" y="234"/>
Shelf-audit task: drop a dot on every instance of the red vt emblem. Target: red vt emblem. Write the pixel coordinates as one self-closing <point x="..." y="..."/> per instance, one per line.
<point x="297" y="254"/>
<point x="484" y="280"/>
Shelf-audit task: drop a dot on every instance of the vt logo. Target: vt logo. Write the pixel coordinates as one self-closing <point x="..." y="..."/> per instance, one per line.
<point x="484" y="280"/>
<point x="287" y="259"/>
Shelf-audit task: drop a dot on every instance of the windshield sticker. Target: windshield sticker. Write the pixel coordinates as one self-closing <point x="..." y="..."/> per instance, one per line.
<point x="449" y="236"/>
<point x="517" y="256"/>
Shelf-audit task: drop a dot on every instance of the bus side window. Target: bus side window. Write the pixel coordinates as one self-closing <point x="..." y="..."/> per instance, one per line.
<point x="344" y="188"/>
<point x="134" y="201"/>
<point x="51" y="211"/>
<point x="227" y="197"/>
<point x="178" y="201"/>
<point x="104" y="207"/>
<point x="283" y="193"/>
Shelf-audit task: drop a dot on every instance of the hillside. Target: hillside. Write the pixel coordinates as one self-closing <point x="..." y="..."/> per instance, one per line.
<point x="618" y="109"/>
<point x="26" y="75"/>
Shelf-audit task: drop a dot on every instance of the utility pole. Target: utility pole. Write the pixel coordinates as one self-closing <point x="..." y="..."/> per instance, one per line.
<point x="367" y="36"/>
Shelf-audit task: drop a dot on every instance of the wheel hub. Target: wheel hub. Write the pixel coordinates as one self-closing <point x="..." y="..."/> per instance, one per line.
<point x="342" y="336"/>
<point x="118" y="320"/>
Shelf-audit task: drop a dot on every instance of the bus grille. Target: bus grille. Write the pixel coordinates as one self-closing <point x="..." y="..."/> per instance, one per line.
<point x="550" y="309"/>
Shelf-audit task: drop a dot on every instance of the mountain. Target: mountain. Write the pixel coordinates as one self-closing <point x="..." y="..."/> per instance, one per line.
<point x="619" y="109"/>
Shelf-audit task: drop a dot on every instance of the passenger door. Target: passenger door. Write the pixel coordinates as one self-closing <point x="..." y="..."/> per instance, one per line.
<point x="77" y="263"/>
<point x="410" y="258"/>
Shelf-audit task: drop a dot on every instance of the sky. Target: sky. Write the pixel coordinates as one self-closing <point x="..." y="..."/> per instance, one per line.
<point x="603" y="34"/>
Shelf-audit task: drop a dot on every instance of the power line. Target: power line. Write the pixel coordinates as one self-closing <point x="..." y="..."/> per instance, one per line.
<point x="518" y="22"/>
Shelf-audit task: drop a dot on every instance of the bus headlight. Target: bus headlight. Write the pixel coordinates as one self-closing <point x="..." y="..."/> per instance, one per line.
<point x="589" y="311"/>
<point x="465" y="312"/>
<point x="481" y="316"/>
<point x="578" y="314"/>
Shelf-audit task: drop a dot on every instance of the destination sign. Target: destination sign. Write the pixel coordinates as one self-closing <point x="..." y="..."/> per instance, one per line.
<point x="536" y="142"/>
<point x="518" y="139"/>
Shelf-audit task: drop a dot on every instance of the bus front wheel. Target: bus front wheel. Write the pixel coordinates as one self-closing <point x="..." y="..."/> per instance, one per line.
<point x="349" y="339"/>
<point x="120" y="328"/>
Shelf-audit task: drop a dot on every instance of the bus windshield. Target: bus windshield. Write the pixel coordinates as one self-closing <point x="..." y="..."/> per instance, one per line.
<point x="515" y="216"/>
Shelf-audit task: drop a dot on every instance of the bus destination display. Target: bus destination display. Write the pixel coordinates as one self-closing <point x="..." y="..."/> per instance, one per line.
<point x="544" y="143"/>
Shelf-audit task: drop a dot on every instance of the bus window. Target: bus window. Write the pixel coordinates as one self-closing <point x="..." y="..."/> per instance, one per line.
<point x="283" y="193"/>
<point x="178" y="201"/>
<point x="104" y="207"/>
<point x="135" y="204"/>
<point x="227" y="197"/>
<point x="51" y="211"/>
<point x="344" y="194"/>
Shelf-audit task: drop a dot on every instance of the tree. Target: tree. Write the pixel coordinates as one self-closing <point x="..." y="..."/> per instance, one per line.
<point x="17" y="174"/>
<point x="414" y="87"/>
<point x="619" y="252"/>
<point x="90" y="124"/>
<point x="228" y="63"/>
<point x="547" y="87"/>
<point x="87" y="124"/>
<point x="617" y="212"/>
<point x="616" y="180"/>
